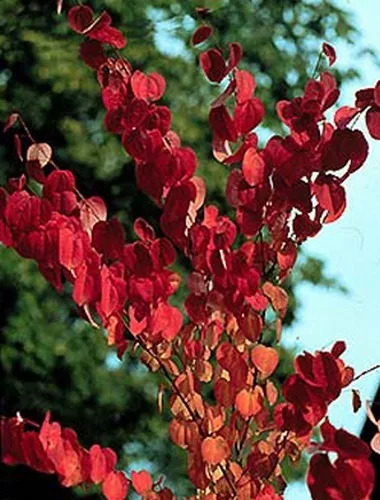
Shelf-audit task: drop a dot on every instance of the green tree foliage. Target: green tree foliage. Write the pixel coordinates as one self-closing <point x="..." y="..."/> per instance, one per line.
<point x="49" y="357"/>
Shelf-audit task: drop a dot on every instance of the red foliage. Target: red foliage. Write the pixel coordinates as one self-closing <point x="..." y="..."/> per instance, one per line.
<point x="282" y="192"/>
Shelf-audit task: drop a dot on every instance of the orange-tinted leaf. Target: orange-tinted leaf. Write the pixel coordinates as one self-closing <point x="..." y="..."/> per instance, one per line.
<point x="41" y="152"/>
<point x="214" y="450"/>
<point x="115" y="486"/>
<point x="92" y="210"/>
<point x="249" y="402"/>
<point x="98" y="464"/>
<point x="277" y="296"/>
<point x="141" y="482"/>
<point x="203" y="370"/>
<point x="271" y="392"/>
<point x="265" y="359"/>
<point x="375" y="443"/>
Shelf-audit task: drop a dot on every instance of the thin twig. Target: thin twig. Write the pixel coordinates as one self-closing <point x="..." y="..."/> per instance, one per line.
<point x="376" y="367"/>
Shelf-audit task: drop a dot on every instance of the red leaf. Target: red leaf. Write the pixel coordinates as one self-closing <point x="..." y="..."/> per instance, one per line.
<point x="245" y="85"/>
<point x="80" y="17"/>
<point x="34" y="454"/>
<point x="329" y="52"/>
<point x="148" y="87"/>
<point x="141" y="482"/>
<point x="167" y="321"/>
<point x="344" y="115"/>
<point x="98" y="464"/>
<point x="102" y="31"/>
<point x="364" y="98"/>
<point x="201" y="34"/>
<point x="254" y="169"/>
<point x="115" y="486"/>
<point x="222" y="124"/>
<point x="81" y="21"/>
<point x="248" y="115"/>
<point x="331" y="196"/>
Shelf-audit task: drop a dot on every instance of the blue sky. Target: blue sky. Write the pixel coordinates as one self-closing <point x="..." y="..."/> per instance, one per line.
<point x="351" y="249"/>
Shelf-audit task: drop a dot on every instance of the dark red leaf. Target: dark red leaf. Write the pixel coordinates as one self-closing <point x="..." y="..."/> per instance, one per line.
<point x="373" y="122"/>
<point x="92" y="53"/>
<point x="222" y="124"/>
<point x="213" y="65"/>
<point x="201" y="34"/>
<point x="329" y="52"/>
<point x="376" y="94"/>
<point x="234" y="56"/>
